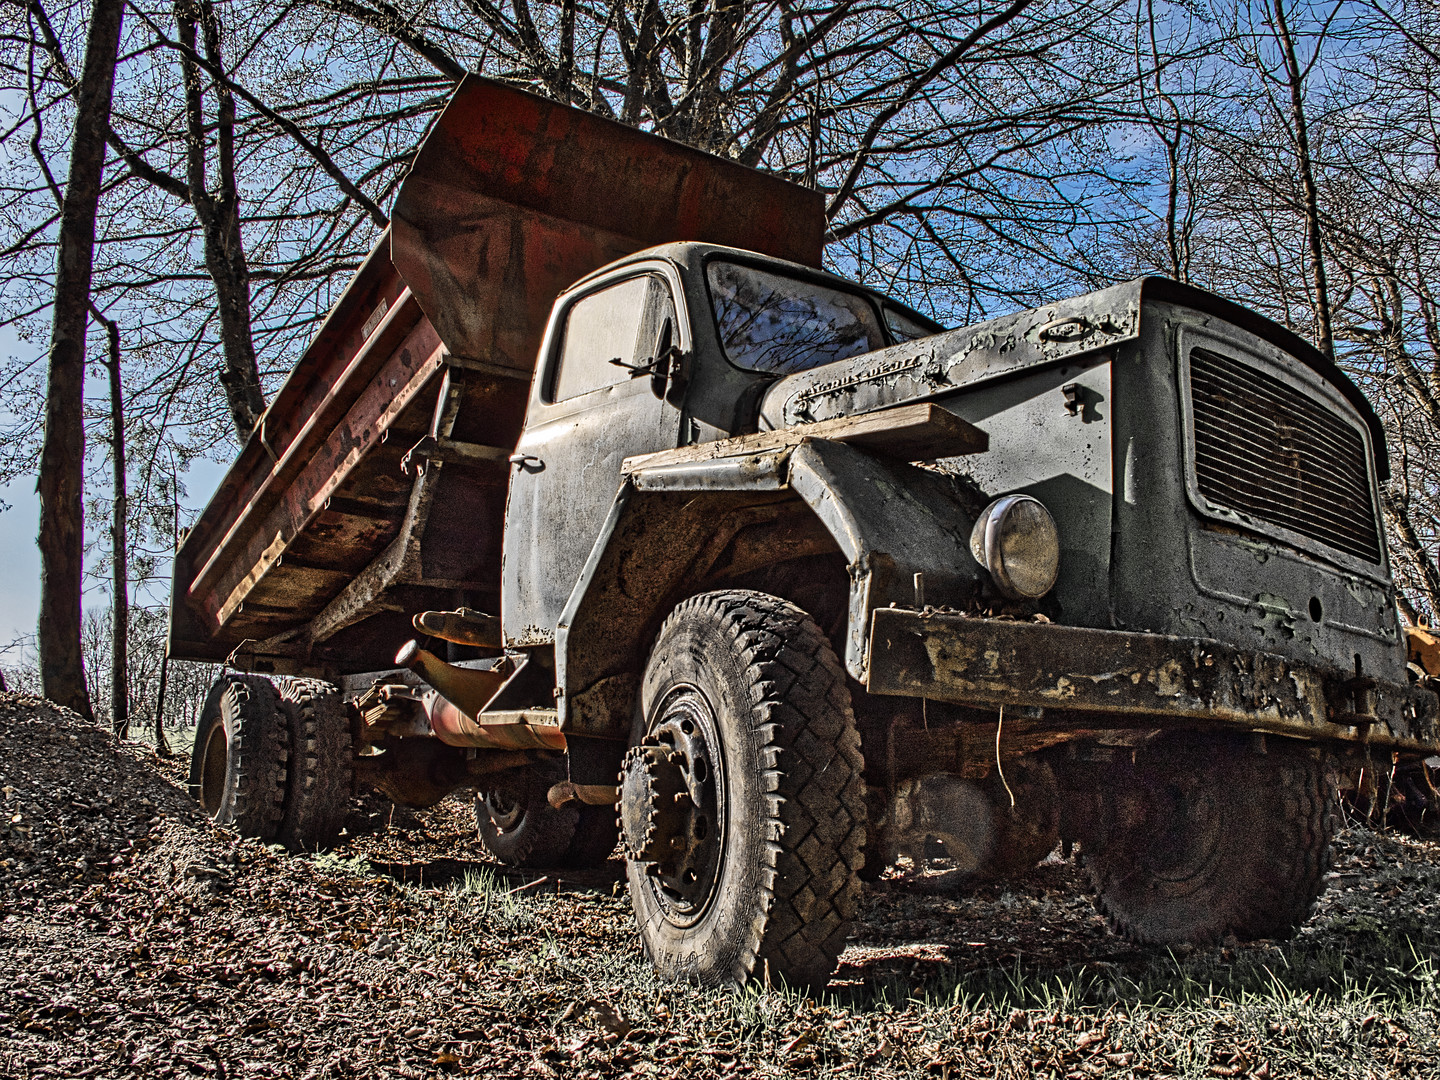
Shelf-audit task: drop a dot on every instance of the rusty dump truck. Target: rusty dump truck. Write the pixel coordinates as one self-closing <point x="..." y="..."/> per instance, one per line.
<point x="595" y="496"/>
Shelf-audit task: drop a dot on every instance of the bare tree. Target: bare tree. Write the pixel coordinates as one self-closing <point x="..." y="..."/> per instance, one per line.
<point x="119" y="545"/>
<point x="63" y="454"/>
<point x="218" y="211"/>
<point x="960" y="153"/>
<point x="1293" y="75"/>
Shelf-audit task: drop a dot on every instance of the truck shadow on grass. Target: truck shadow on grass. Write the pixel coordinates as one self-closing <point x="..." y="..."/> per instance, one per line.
<point x="1037" y="942"/>
<point x="931" y="934"/>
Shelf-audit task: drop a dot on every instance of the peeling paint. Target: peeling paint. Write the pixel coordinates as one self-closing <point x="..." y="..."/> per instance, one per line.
<point x="1171" y="680"/>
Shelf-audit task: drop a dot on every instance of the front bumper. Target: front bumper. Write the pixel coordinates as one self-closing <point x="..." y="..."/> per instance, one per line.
<point x="1140" y="680"/>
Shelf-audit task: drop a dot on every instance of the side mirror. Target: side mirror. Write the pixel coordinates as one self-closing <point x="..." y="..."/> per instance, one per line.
<point x="665" y="358"/>
<point x="663" y="363"/>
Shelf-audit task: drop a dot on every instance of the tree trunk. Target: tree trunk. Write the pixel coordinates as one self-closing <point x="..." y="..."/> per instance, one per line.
<point x="162" y="744"/>
<point x="62" y="539"/>
<point x="119" y="557"/>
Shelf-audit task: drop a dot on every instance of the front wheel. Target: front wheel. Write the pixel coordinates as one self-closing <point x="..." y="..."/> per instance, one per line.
<point x="1205" y="837"/>
<point x="743" y="803"/>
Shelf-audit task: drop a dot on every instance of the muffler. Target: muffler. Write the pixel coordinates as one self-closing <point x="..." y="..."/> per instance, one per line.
<point x="455" y="707"/>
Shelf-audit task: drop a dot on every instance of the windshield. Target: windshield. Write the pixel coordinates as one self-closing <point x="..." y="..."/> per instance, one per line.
<point x="905" y="327"/>
<point x="782" y="324"/>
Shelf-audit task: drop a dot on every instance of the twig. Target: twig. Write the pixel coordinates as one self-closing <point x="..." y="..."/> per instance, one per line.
<point x="527" y="885"/>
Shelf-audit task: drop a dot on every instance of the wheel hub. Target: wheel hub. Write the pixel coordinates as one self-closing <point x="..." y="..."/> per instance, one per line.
<point x="212" y="770"/>
<point x="671" y="805"/>
<point x="504" y="808"/>
<point x="651" y="820"/>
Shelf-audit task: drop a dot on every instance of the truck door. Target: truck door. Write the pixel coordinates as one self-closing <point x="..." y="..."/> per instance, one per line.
<point x="589" y="410"/>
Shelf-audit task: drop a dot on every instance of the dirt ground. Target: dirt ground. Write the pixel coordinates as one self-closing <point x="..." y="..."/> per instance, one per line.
<point x="136" y="939"/>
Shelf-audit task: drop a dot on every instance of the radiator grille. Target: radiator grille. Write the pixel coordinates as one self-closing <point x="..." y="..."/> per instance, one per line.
<point x="1267" y="450"/>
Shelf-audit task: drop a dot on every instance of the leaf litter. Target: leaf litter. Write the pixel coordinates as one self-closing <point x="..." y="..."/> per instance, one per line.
<point x="137" y="939"/>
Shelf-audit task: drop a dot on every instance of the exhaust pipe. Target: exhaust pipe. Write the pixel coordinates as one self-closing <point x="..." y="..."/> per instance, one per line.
<point x="454" y="728"/>
<point x="455" y="707"/>
<point x="468" y="688"/>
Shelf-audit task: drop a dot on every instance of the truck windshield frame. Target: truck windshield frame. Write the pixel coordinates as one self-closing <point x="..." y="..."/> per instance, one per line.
<point x="777" y="324"/>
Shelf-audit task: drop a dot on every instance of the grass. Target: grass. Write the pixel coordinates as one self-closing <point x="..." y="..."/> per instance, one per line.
<point x="1355" y="995"/>
<point x="497" y="900"/>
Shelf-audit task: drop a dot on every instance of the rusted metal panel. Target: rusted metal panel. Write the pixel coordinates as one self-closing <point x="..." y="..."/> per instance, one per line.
<point x="323" y="369"/>
<point x="512" y="198"/>
<point x="1133" y="677"/>
<point x="398" y="340"/>
<point x="650" y="547"/>
<point x="235" y="569"/>
<point x="342" y="540"/>
<point x="448" y="526"/>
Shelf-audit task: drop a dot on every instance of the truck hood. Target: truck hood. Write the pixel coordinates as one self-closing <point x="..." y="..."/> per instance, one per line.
<point x="944" y="363"/>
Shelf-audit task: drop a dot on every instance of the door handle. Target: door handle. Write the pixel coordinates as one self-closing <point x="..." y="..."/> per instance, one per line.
<point x="529" y="462"/>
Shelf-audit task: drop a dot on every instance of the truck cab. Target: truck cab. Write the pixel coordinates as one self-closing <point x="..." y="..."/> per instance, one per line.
<point x="674" y="346"/>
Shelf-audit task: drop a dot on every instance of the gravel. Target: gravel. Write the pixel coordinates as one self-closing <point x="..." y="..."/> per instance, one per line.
<point x="138" y="939"/>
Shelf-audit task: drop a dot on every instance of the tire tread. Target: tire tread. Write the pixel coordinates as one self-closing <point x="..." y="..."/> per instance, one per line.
<point x="809" y="750"/>
<point x="321" y="776"/>
<point x="1270" y="893"/>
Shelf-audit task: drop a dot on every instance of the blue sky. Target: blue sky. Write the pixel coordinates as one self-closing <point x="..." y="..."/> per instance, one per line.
<point x="19" y="553"/>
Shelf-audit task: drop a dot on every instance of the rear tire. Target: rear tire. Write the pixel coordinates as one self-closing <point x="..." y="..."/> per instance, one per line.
<point x="520" y="828"/>
<point x="1205" y="837"/>
<point x="744" y="694"/>
<point x="321" y="775"/>
<point x="238" y="763"/>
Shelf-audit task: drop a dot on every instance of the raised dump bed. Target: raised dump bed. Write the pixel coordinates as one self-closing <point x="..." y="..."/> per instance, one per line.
<point x="374" y="486"/>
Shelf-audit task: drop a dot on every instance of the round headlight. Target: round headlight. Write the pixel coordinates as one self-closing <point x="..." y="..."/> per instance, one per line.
<point x="1015" y="538"/>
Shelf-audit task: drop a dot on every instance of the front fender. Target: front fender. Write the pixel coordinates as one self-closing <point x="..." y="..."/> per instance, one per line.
<point x="670" y="521"/>
<point x="892" y="521"/>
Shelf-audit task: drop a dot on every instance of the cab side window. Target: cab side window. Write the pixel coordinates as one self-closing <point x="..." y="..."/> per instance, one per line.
<point x="617" y="323"/>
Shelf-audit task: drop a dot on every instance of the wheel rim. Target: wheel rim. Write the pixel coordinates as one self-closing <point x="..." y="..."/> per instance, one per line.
<point x="503" y="809"/>
<point x="1186" y="839"/>
<point x="213" y="763"/>
<point x="685" y="885"/>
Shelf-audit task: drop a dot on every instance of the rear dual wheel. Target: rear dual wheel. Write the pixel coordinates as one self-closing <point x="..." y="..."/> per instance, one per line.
<point x="238" y="763"/>
<point x="321" y="771"/>
<point x="519" y="827"/>
<point x="274" y="760"/>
